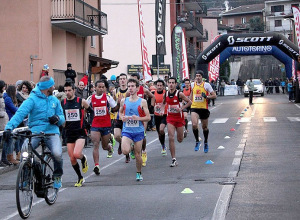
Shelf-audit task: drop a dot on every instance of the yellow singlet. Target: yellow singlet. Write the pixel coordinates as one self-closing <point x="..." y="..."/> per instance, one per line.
<point x="198" y="101"/>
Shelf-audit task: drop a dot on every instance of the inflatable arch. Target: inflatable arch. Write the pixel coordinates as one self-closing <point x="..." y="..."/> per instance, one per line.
<point x="249" y="39"/>
<point x="259" y="50"/>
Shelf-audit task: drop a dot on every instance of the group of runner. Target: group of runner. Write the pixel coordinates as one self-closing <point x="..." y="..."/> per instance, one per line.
<point x="171" y="108"/>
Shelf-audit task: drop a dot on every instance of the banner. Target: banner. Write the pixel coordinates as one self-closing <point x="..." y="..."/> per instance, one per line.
<point x="296" y="13"/>
<point x="214" y="65"/>
<point x="145" y="59"/>
<point x="160" y="23"/>
<point x="177" y="52"/>
<point x="185" y="65"/>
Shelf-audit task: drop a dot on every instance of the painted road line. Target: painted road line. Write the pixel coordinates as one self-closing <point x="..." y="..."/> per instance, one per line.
<point x="297" y="105"/>
<point x="243" y="141"/>
<point x="223" y="203"/>
<point x="245" y="119"/>
<point x="220" y="120"/>
<point x="236" y="161"/>
<point x="294" y="118"/>
<point x="253" y="112"/>
<point x="269" y="119"/>
<point x="241" y="146"/>
<point x="245" y="135"/>
<point x="238" y="153"/>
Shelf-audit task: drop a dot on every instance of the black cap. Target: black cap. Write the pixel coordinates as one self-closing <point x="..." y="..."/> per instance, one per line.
<point x="69" y="65"/>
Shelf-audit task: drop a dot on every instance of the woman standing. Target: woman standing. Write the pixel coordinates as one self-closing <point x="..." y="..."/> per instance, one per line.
<point x="23" y="93"/>
<point x="10" y="107"/>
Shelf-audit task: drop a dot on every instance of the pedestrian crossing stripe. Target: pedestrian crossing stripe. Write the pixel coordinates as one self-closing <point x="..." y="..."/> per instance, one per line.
<point x="294" y="118"/>
<point x="269" y="119"/>
<point x="220" y="120"/>
<point x="246" y="119"/>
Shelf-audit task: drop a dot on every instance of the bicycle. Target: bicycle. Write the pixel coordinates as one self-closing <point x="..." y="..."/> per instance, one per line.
<point x="33" y="175"/>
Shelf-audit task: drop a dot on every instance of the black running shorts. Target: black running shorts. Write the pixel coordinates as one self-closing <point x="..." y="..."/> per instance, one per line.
<point x="202" y="112"/>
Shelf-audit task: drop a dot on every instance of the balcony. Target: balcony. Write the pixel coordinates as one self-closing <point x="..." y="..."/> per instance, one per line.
<point x="193" y="28"/>
<point x="193" y="5"/>
<point x="192" y="52"/>
<point x="202" y="12"/>
<point x="203" y="38"/>
<point x="78" y="17"/>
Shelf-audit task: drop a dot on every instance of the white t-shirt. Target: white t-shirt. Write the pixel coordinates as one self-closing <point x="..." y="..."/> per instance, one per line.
<point x="207" y="87"/>
<point x="112" y="103"/>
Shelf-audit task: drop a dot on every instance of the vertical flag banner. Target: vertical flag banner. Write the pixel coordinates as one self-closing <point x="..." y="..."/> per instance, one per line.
<point x="185" y="66"/>
<point x="177" y="52"/>
<point x="214" y="65"/>
<point x="296" y="13"/>
<point x="160" y="23"/>
<point x="145" y="59"/>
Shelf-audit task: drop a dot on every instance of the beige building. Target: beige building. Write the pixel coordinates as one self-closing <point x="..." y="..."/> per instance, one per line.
<point x="53" y="32"/>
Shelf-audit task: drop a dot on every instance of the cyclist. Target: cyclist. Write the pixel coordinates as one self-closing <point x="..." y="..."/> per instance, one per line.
<point x="101" y="124"/>
<point x="134" y="111"/>
<point x="45" y="115"/>
<point x="75" y="129"/>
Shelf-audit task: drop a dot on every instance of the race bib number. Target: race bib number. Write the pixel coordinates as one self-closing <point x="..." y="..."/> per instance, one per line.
<point x="130" y="123"/>
<point x="173" y="109"/>
<point x="157" y="108"/>
<point x="72" y="115"/>
<point x="198" y="98"/>
<point x="100" y="111"/>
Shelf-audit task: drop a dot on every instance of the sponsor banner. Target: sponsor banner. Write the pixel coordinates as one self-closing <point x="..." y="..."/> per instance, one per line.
<point x="145" y="58"/>
<point x="177" y="52"/>
<point x="185" y="67"/>
<point x="296" y="13"/>
<point x="214" y="65"/>
<point x="293" y="69"/>
<point x="230" y="90"/>
<point x="252" y="49"/>
<point x="163" y="69"/>
<point x="160" y="23"/>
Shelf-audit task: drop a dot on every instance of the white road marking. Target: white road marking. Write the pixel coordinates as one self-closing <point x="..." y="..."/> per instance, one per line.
<point x="238" y="153"/>
<point x="245" y="135"/>
<point x="270" y="119"/>
<point x="241" y="146"/>
<point x="297" y="105"/>
<point x="245" y="119"/>
<point x="222" y="203"/>
<point x="294" y="118"/>
<point x="220" y="120"/>
<point x="236" y="161"/>
<point x="243" y="141"/>
<point x="253" y="112"/>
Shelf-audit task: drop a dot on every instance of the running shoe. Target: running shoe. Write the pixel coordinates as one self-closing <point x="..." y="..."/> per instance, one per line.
<point x="205" y="149"/>
<point x="79" y="182"/>
<point x="132" y="154"/>
<point x="84" y="165"/>
<point x="110" y="152"/>
<point x="139" y="177"/>
<point x="174" y="163"/>
<point x="113" y="140"/>
<point x="185" y="133"/>
<point x="163" y="150"/>
<point x="97" y="170"/>
<point x="144" y="158"/>
<point x="197" y="146"/>
<point x="57" y="183"/>
<point x="127" y="159"/>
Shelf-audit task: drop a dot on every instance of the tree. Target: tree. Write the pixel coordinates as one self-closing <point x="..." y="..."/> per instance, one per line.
<point x="256" y="24"/>
<point x="225" y="71"/>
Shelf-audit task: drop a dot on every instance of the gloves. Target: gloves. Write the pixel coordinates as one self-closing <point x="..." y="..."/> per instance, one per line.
<point x="6" y="135"/>
<point x="54" y="119"/>
<point x="90" y="110"/>
<point x="204" y="95"/>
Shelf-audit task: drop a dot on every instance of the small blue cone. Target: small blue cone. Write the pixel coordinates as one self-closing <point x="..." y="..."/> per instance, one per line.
<point x="245" y="109"/>
<point x="209" y="162"/>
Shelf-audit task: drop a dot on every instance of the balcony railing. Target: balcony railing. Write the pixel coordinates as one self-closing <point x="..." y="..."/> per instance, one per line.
<point x="204" y="38"/>
<point x="78" y="17"/>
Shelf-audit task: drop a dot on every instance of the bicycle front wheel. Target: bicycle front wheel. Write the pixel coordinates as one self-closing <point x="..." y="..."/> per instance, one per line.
<point x="50" y="193"/>
<point x="24" y="190"/>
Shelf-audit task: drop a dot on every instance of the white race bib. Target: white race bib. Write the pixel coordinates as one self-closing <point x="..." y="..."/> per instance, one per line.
<point x="100" y="111"/>
<point x="130" y="123"/>
<point x="173" y="109"/>
<point x="157" y="108"/>
<point x="198" y="98"/>
<point x="72" y="115"/>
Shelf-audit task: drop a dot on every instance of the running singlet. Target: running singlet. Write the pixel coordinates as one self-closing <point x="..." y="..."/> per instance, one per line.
<point x="141" y="92"/>
<point x="174" y="113"/>
<point x="198" y="101"/>
<point x="159" y="98"/>
<point x="187" y="92"/>
<point x="133" y="108"/>
<point x="101" y="112"/>
<point x="74" y="113"/>
<point x="118" y="94"/>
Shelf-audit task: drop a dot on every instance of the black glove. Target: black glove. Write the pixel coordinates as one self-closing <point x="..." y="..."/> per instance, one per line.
<point x="204" y="95"/>
<point x="54" y="119"/>
<point x="6" y="135"/>
<point x="90" y="110"/>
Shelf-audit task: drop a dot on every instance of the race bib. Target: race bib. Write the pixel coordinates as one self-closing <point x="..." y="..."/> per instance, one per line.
<point x="72" y="115"/>
<point x="198" y="98"/>
<point x="173" y="109"/>
<point x="130" y="123"/>
<point x="100" y="111"/>
<point x="157" y="108"/>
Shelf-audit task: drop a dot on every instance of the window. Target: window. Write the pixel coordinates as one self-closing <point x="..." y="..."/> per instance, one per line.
<point x="93" y="41"/>
<point x="277" y="8"/>
<point x="243" y="20"/>
<point x="278" y="23"/>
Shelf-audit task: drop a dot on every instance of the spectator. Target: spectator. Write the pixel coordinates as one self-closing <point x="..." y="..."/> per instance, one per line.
<point x="87" y="93"/>
<point x="32" y="84"/>
<point x="45" y="71"/>
<point x="85" y="79"/>
<point x="61" y="95"/>
<point x="240" y="85"/>
<point x="232" y="82"/>
<point x="3" y="122"/>
<point x="23" y="93"/>
<point x="79" y="90"/>
<point x="222" y="87"/>
<point x="290" y="90"/>
<point x="282" y="84"/>
<point x="271" y="84"/>
<point x="276" y="84"/>
<point x="213" y="86"/>
<point x="139" y="71"/>
<point x="251" y="89"/>
<point x="18" y="85"/>
<point x="70" y="73"/>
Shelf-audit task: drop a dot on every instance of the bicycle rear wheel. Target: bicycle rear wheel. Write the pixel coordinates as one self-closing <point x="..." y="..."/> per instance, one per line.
<point x="50" y="193"/>
<point x="24" y="190"/>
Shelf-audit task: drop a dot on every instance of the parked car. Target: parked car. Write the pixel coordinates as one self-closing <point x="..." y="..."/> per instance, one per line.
<point x="259" y="88"/>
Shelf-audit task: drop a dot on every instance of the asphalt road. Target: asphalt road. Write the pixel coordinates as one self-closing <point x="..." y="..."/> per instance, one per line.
<point x="255" y="176"/>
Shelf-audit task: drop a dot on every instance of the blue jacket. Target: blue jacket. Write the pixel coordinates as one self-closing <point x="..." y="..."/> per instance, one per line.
<point x="10" y="108"/>
<point x="39" y="107"/>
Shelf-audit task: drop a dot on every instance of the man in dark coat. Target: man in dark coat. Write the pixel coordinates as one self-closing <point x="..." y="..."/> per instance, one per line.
<point x="70" y="73"/>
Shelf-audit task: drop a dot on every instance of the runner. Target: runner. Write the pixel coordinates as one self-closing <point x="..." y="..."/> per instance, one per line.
<point x="143" y="93"/>
<point x="187" y="93"/>
<point x="134" y="111"/>
<point x="201" y="92"/>
<point x="120" y="94"/>
<point x="175" y="118"/>
<point x="101" y="125"/>
<point x="160" y="115"/>
<point x="73" y="108"/>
